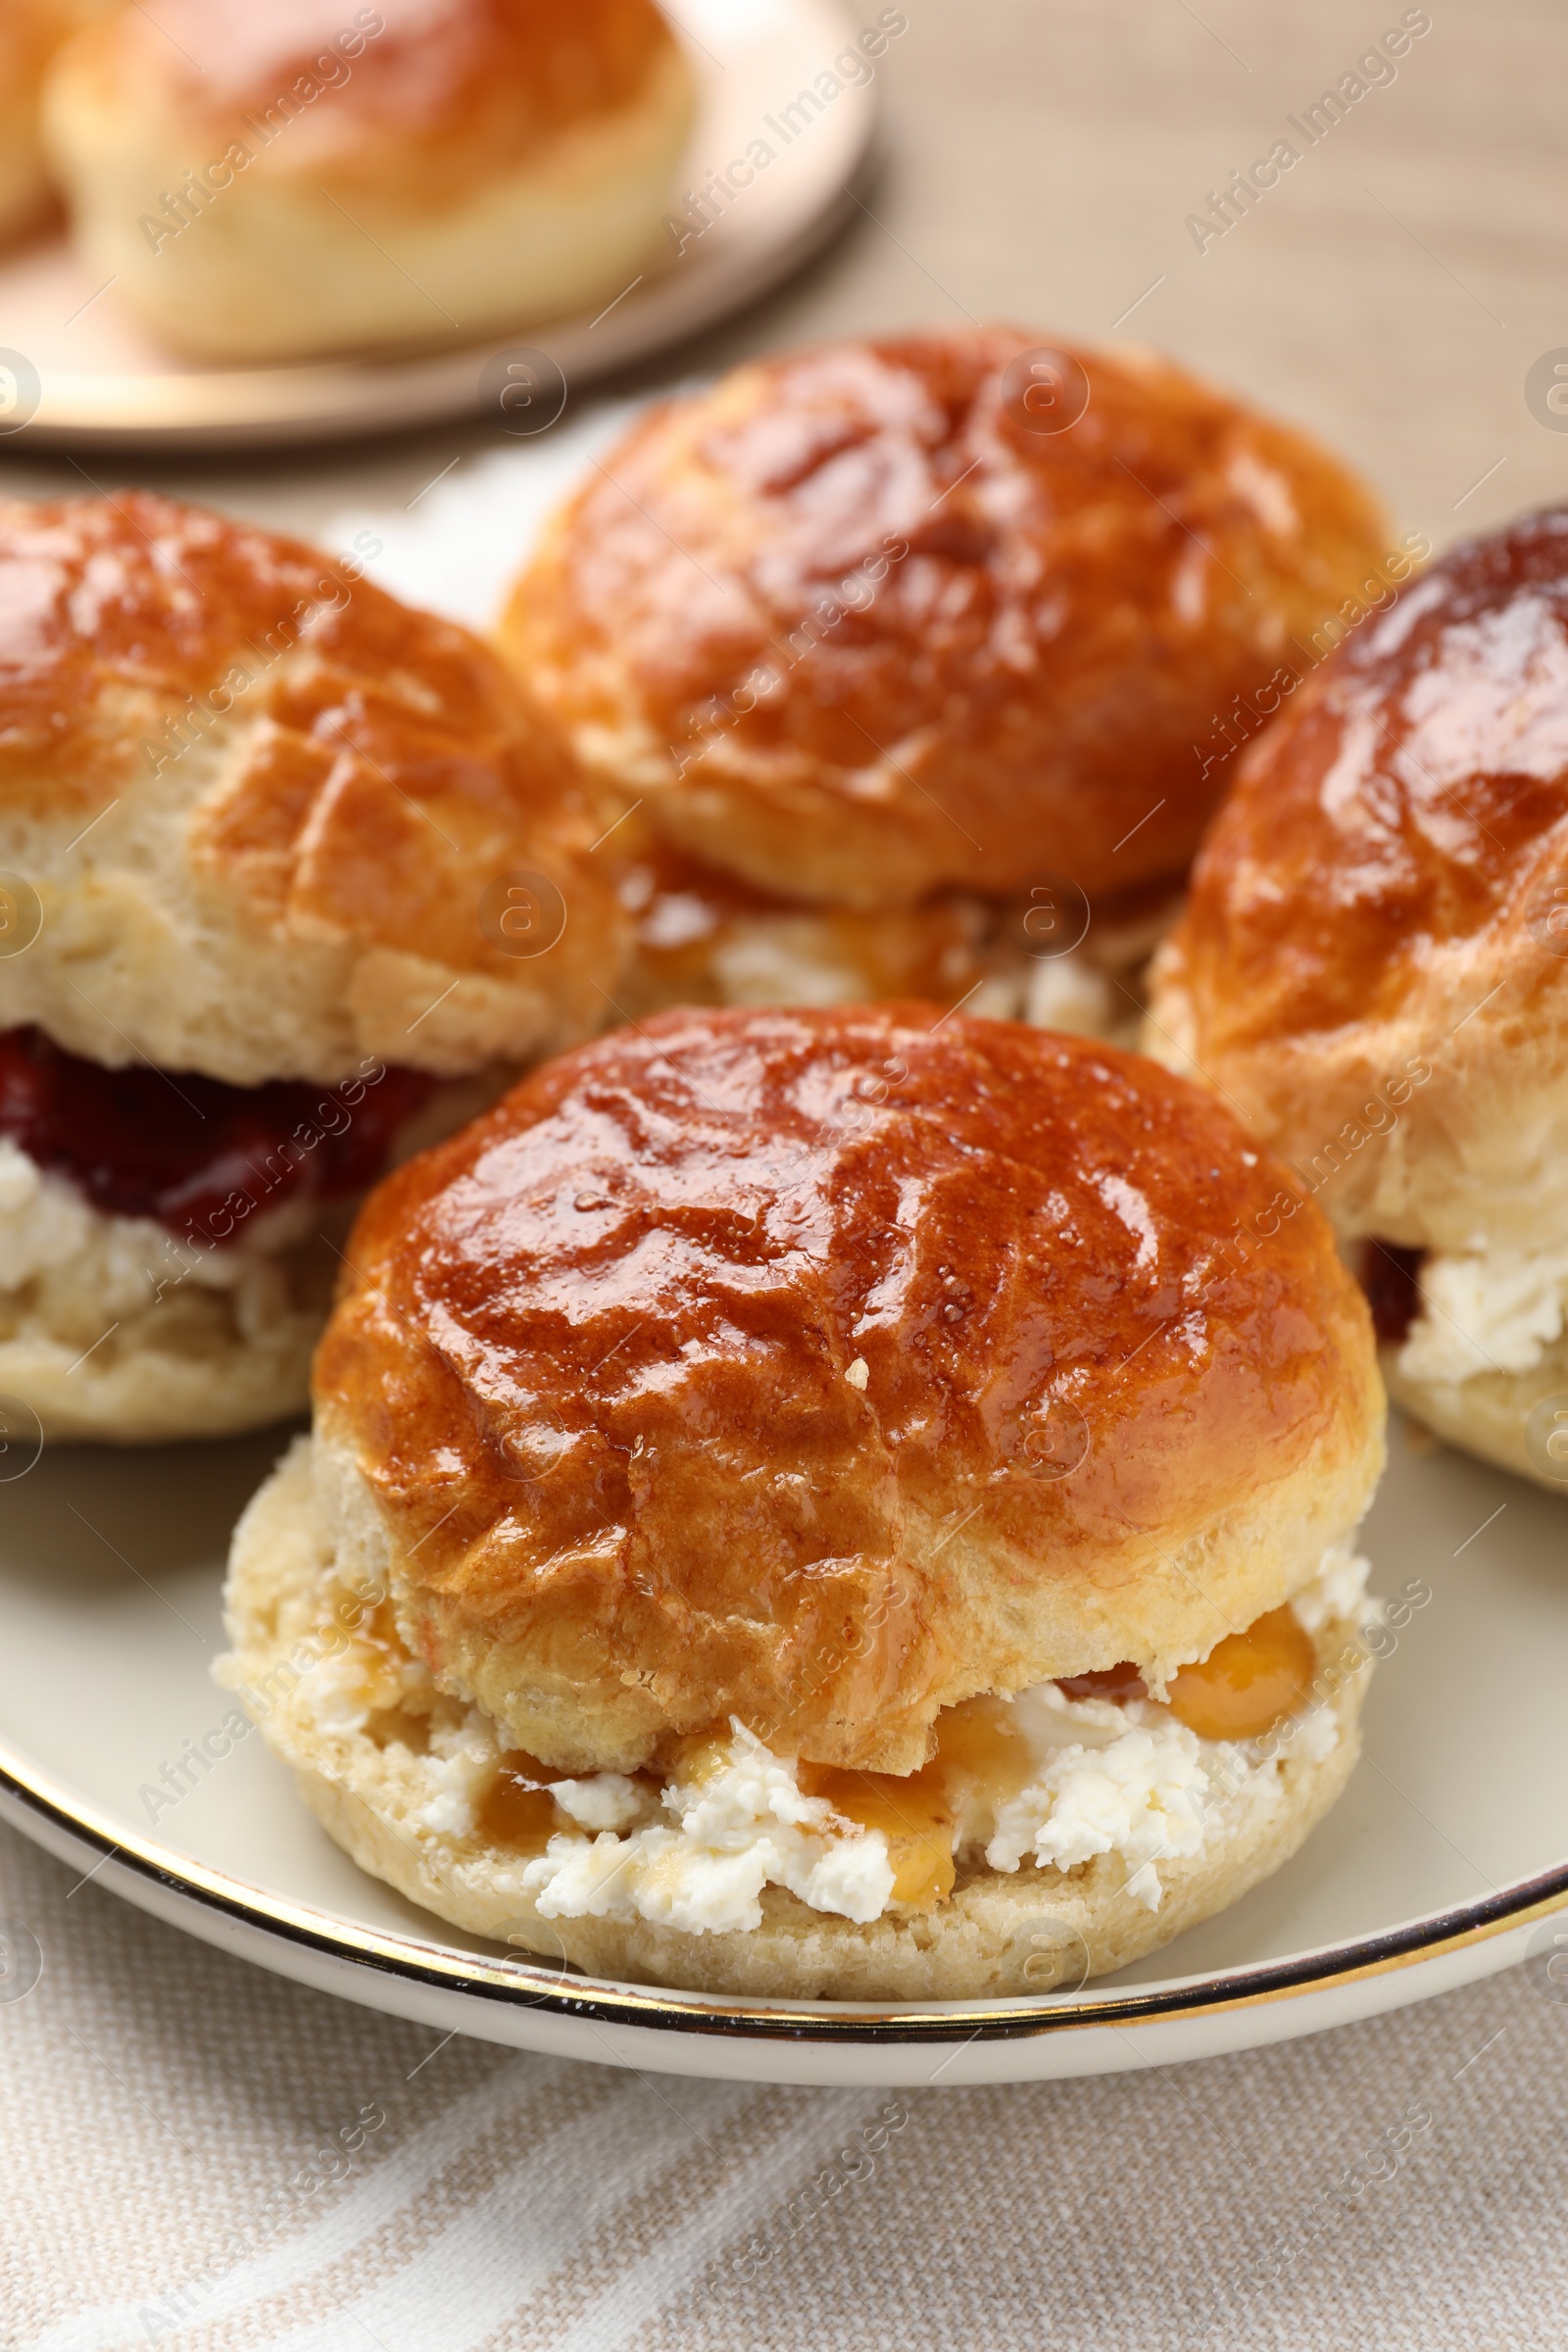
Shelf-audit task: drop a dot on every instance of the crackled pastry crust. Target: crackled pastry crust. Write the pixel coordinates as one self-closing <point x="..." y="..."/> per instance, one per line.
<point x="1371" y="966"/>
<point x="729" y="1366"/>
<point x="857" y="633"/>
<point x="259" y="803"/>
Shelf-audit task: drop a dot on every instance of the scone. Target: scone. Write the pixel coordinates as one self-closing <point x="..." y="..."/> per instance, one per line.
<point x="816" y="1503"/>
<point x="266" y="182"/>
<point x="31" y="31"/>
<point x="1373" y="968"/>
<point x="290" y="880"/>
<point x="924" y="659"/>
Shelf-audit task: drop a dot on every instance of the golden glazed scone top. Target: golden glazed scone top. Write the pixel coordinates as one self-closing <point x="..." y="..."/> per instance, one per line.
<point x="415" y="100"/>
<point x="222" y="754"/>
<point x="861" y="631"/>
<point x="1403" y="804"/>
<point x="31" y="32"/>
<point x="825" y="1368"/>
<point x="1384" y="896"/>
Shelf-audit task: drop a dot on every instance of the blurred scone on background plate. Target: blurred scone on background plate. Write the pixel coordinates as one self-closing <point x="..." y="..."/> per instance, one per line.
<point x="31" y="31"/>
<point x="290" y="881"/>
<point x="922" y="659"/>
<point x="1373" y="967"/>
<point x="269" y="180"/>
<point x="814" y="1502"/>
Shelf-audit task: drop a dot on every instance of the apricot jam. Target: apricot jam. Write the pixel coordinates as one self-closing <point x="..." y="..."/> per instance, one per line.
<point x="980" y="1741"/>
<point x="196" y="1154"/>
<point x="1247" y="1681"/>
<point x="695" y="1757"/>
<point x="518" y="1808"/>
<point x="914" y="1813"/>
<point x="978" y="1744"/>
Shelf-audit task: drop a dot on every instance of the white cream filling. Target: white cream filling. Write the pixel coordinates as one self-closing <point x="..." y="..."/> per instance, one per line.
<point x="1123" y="1780"/>
<point x="1131" y="1781"/>
<point x="741" y="1828"/>
<point x="120" y="1266"/>
<point x="788" y="959"/>
<point x="1112" y="1780"/>
<point x="776" y="962"/>
<point x="769" y="962"/>
<point x="1486" y="1310"/>
<point x="1338" y="1591"/>
<point x="1067" y="993"/>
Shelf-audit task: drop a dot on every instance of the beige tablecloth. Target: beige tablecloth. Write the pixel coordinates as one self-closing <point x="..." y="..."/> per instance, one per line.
<point x="198" y="2155"/>
<point x="202" y="2157"/>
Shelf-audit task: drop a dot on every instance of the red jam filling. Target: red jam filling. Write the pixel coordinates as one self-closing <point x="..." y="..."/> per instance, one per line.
<point x="197" y="1155"/>
<point x="1119" y="1682"/>
<point x="1391" y="1277"/>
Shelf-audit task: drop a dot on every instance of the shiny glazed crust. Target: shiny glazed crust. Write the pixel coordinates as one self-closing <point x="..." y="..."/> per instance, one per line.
<point x="31" y="31"/>
<point x="1003" y="1936"/>
<point x="398" y="173"/>
<point x="252" y="806"/>
<point x="1373" y="965"/>
<point x="826" y="1369"/>
<point x="859" y="632"/>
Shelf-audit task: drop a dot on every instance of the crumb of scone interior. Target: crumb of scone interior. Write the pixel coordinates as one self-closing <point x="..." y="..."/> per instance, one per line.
<point x="1475" y="1342"/>
<point x="1024" y="1776"/>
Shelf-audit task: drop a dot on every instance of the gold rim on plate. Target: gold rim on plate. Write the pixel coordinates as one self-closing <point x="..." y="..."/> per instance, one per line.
<point x="36" y="1801"/>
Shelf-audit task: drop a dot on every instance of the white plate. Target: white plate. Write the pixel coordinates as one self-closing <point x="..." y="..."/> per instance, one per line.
<point x="1449" y="1844"/>
<point x="105" y="383"/>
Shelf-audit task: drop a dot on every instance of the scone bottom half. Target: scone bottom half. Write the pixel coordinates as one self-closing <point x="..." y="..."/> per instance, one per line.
<point x="292" y="882"/>
<point x="815" y="1503"/>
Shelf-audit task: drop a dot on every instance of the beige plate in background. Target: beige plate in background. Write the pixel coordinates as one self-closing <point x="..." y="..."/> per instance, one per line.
<point x="105" y="385"/>
<point x="1440" y="1864"/>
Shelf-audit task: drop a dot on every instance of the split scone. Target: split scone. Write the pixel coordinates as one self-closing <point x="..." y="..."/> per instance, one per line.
<point x="1373" y="968"/>
<point x="267" y="181"/>
<point x="275" y="856"/>
<point x="914" y="696"/>
<point x="817" y="1503"/>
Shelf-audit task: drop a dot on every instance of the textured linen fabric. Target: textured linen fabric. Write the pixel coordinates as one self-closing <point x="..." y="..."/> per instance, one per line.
<point x="164" y="2109"/>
